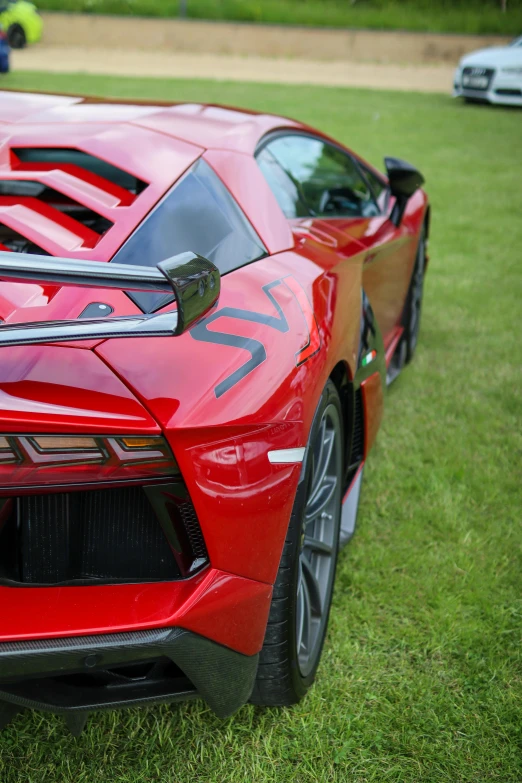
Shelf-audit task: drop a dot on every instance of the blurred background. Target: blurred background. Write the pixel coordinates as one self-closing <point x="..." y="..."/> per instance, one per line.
<point x="401" y="44"/>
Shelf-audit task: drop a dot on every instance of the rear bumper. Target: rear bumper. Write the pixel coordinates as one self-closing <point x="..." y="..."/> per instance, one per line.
<point x="226" y="608"/>
<point x="74" y="676"/>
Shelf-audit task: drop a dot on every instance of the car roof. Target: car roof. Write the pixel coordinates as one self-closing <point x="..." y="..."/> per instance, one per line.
<point x="209" y="126"/>
<point x="153" y="143"/>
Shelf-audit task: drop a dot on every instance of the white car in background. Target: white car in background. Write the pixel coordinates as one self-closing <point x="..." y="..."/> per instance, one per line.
<point x="493" y="75"/>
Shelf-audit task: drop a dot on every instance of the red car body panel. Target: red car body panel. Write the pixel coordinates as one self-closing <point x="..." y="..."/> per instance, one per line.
<point x="53" y="388"/>
<point x="215" y="127"/>
<point x="244" y="179"/>
<point x="373" y="404"/>
<point x="315" y="271"/>
<point x="226" y="608"/>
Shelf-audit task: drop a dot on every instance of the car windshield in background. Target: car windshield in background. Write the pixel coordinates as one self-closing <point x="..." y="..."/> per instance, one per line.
<point x="200" y="215"/>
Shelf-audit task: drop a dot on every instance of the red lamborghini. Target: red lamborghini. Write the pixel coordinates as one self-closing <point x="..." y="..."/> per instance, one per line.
<point x="200" y="308"/>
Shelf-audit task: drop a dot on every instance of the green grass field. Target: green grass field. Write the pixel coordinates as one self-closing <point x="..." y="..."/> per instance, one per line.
<point x="421" y="675"/>
<point x="446" y="16"/>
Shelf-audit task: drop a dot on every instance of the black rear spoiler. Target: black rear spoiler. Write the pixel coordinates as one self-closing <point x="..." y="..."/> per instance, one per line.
<point x="194" y="281"/>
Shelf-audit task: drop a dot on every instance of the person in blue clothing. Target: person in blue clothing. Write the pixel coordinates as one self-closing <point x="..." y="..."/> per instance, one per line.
<point x="4" y="52"/>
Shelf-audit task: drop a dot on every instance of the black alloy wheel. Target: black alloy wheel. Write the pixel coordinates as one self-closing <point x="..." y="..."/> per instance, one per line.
<point x="16" y="36"/>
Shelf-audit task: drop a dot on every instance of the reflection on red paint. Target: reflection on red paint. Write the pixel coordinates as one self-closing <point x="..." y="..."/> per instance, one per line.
<point x="373" y="401"/>
<point x="314" y="341"/>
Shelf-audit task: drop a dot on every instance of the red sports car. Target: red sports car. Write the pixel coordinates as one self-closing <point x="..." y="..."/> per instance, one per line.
<point x="200" y="309"/>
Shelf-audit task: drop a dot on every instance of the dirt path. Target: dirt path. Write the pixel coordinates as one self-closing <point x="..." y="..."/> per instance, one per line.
<point x="423" y="78"/>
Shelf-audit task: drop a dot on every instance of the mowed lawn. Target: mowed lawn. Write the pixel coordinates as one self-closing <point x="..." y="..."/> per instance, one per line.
<point x="421" y="674"/>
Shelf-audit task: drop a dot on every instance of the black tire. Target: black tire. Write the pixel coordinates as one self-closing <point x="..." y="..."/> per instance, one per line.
<point x="413" y="309"/>
<point x="282" y="677"/>
<point x="16" y="36"/>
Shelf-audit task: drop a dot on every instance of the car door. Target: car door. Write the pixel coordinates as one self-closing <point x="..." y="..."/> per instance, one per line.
<point x="389" y="260"/>
<point x="335" y="200"/>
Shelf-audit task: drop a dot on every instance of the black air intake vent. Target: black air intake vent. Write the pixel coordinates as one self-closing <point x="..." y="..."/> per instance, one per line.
<point x="27" y="158"/>
<point x="27" y="189"/>
<point x="357" y="452"/>
<point x="98" y="536"/>
<point x="190" y="521"/>
<point x="16" y="243"/>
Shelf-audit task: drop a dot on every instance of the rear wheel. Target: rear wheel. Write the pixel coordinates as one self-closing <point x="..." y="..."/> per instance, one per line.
<point x="16" y="36"/>
<point x="303" y="590"/>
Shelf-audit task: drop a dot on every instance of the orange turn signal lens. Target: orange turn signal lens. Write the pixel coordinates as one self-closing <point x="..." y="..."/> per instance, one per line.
<point x="141" y="443"/>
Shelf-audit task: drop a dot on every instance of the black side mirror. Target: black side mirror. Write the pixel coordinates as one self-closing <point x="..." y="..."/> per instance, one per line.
<point x="404" y="180"/>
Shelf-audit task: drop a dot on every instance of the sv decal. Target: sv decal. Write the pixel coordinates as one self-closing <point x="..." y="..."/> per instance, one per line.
<point x="256" y="348"/>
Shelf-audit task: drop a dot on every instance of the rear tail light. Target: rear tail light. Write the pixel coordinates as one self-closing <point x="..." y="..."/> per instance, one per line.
<point x="54" y="460"/>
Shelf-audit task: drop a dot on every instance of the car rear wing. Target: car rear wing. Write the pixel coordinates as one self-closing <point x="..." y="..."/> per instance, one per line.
<point x="194" y="281"/>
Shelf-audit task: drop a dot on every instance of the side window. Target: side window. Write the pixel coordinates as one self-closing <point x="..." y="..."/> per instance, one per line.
<point x="282" y="185"/>
<point x="379" y="188"/>
<point x="198" y="214"/>
<point x="326" y="181"/>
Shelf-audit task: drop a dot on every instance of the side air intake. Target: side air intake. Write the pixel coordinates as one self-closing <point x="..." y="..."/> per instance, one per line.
<point x="357" y="449"/>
